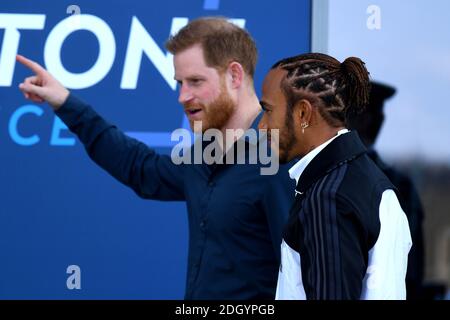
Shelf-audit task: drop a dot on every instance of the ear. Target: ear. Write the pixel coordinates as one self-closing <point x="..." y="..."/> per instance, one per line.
<point x="303" y="111"/>
<point x="236" y="73"/>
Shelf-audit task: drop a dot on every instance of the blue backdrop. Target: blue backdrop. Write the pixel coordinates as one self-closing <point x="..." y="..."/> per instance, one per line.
<point x="58" y="209"/>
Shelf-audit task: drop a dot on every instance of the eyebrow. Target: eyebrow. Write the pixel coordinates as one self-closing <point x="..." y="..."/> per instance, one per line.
<point x="195" y="76"/>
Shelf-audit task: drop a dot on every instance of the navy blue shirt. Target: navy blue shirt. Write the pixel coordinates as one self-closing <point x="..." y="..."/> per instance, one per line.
<point x="235" y="214"/>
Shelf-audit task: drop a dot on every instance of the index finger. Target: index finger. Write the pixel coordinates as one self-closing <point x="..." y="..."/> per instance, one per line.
<point x="34" y="66"/>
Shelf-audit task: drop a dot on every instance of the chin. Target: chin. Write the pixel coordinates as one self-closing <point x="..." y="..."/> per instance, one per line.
<point x="198" y="126"/>
<point x="283" y="160"/>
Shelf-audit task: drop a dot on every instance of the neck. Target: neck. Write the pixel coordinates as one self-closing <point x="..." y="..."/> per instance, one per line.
<point x="320" y="136"/>
<point x="247" y="109"/>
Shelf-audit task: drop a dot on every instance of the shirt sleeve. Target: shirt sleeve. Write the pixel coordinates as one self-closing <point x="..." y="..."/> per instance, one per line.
<point x="388" y="259"/>
<point x="131" y="162"/>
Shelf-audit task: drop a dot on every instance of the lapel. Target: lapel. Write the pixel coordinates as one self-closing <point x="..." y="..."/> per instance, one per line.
<point x="296" y="206"/>
<point x="343" y="149"/>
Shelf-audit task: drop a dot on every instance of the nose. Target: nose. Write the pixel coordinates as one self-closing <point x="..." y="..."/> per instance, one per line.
<point x="185" y="95"/>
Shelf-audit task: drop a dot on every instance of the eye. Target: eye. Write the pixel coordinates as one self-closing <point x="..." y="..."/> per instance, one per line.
<point x="264" y="107"/>
<point x="195" y="82"/>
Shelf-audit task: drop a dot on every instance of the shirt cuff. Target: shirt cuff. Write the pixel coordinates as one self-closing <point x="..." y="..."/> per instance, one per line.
<point x="71" y="110"/>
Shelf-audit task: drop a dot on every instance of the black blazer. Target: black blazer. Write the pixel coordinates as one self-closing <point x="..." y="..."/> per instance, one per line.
<point x="334" y="221"/>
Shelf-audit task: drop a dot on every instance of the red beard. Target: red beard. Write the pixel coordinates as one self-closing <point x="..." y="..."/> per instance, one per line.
<point x="217" y="113"/>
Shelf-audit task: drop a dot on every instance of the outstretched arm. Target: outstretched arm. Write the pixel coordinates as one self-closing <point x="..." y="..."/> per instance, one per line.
<point x="133" y="163"/>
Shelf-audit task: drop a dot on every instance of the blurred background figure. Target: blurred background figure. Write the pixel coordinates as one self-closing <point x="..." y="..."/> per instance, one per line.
<point x="368" y="124"/>
<point x="415" y="135"/>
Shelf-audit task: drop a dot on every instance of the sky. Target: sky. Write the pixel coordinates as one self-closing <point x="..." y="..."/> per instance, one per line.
<point x="410" y="51"/>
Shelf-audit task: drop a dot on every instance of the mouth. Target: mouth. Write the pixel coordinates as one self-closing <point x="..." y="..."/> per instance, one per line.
<point x="193" y="113"/>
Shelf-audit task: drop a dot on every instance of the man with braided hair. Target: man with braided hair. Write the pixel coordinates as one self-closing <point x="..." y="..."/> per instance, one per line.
<point x="346" y="236"/>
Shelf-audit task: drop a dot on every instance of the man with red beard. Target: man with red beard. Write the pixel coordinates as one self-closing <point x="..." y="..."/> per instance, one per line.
<point x="235" y="213"/>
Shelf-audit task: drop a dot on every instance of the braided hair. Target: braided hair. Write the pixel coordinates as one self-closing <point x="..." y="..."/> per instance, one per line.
<point x="337" y="89"/>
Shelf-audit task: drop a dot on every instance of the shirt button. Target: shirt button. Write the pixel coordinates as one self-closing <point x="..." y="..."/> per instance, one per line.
<point x="202" y="224"/>
<point x="211" y="184"/>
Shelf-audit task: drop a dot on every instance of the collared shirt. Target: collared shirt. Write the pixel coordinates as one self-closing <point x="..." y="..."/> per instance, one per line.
<point x="387" y="258"/>
<point x="235" y="214"/>
<point x="296" y="170"/>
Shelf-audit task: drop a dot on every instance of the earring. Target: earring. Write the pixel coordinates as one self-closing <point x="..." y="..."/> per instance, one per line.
<point x="304" y="125"/>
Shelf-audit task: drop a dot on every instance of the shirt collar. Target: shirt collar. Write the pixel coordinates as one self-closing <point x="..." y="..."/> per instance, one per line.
<point x="297" y="169"/>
